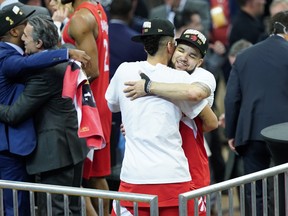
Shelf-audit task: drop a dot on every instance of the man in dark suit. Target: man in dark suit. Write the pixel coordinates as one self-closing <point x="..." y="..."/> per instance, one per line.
<point x="14" y="142"/>
<point x="60" y="153"/>
<point x="257" y="97"/>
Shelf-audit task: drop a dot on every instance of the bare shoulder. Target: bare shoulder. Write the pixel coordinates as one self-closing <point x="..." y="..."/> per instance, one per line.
<point x="83" y="20"/>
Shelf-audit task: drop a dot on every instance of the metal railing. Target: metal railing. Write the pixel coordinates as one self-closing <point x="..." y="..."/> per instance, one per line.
<point x="240" y="182"/>
<point x="152" y="200"/>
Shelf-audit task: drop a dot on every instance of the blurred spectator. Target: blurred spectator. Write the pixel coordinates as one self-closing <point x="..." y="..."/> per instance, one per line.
<point x="275" y="7"/>
<point x="120" y="33"/>
<point x="278" y="6"/>
<point x="140" y="14"/>
<point x="170" y="8"/>
<point x="24" y="7"/>
<point x="220" y="17"/>
<point x="247" y="24"/>
<point x="60" y="13"/>
<point x="187" y="19"/>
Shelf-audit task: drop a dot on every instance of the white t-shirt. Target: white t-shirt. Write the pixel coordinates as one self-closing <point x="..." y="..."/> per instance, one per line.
<point x="153" y="152"/>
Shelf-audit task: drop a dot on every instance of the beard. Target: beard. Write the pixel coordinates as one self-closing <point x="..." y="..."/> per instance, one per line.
<point x="172" y="65"/>
<point x="66" y="1"/>
<point x="191" y="71"/>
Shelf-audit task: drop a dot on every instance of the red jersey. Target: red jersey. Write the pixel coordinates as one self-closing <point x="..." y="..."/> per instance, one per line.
<point x="196" y="153"/>
<point x="99" y="85"/>
<point x="197" y="158"/>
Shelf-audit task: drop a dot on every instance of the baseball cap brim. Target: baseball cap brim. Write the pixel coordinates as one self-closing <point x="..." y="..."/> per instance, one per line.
<point x="16" y="21"/>
<point x="187" y="41"/>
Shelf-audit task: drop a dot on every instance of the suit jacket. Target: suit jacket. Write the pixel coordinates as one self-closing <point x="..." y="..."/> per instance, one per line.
<point x="120" y="39"/>
<point x="12" y="65"/>
<point x="55" y="119"/>
<point x="257" y="93"/>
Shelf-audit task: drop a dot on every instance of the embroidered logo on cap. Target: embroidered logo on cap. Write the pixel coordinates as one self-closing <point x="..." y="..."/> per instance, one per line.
<point x="196" y="33"/>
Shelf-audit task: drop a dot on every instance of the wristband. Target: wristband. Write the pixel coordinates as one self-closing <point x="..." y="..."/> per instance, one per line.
<point x="148" y="87"/>
<point x="147" y="84"/>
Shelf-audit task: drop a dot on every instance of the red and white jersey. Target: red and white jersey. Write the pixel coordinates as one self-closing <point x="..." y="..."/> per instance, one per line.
<point x="77" y="87"/>
<point x="194" y="149"/>
<point x="99" y="85"/>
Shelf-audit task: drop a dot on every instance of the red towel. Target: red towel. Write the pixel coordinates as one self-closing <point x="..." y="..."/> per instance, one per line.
<point x="76" y="86"/>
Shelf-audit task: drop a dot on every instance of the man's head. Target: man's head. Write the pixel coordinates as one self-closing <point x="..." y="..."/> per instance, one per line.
<point x="122" y="9"/>
<point x="278" y="6"/>
<point x="13" y="20"/>
<point x="157" y="35"/>
<point x="237" y="48"/>
<point x="254" y="7"/>
<point x="279" y="24"/>
<point x="188" y="20"/>
<point x="40" y="33"/>
<point x="191" y="48"/>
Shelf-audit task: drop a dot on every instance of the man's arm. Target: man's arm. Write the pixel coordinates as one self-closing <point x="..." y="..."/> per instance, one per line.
<point x="172" y="91"/>
<point x="83" y="29"/>
<point x="14" y="65"/>
<point x="35" y="94"/>
<point x="209" y="119"/>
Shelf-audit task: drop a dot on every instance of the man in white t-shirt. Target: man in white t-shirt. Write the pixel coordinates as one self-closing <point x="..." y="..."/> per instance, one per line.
<point x="191" y="48"/>
<point x="154" y="161"/>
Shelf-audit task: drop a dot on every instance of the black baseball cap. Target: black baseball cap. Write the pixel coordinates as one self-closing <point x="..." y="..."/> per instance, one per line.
<point x="11" y="16"/>
<point x="196" y="38"/>
<point x="155" y="26"/>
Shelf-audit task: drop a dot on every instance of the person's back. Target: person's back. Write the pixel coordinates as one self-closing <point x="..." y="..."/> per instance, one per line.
<point x="267" y="74"/>
<point x="256" y="98"/>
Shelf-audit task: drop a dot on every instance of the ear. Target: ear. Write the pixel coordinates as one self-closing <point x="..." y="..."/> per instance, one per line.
<point x="39" y="44"/>
<point x="171" y="47"/>
<point x="200" y="62"/>
<point x="14" y="32"/>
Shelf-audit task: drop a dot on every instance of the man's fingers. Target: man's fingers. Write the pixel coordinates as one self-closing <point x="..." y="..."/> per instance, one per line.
<point x="128" y="89"/>
<point x="129" y="83"/>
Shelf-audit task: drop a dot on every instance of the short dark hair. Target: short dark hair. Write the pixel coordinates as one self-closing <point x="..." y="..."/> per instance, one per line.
<point x="184" y="18"/>
<point x="242" y="2"/>
<point x="151" y="44"/>
<point x="120" y="7"/>
<point x="155" y="42"/>
<point x="279" y="23"/>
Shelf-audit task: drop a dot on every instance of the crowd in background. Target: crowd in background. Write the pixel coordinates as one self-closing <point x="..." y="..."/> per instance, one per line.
<point x="230" y="28"/>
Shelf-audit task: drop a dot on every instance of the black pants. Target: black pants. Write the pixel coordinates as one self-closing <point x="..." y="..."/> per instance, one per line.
<point x="66" y="176"/>
<point x="256" y="157"/>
